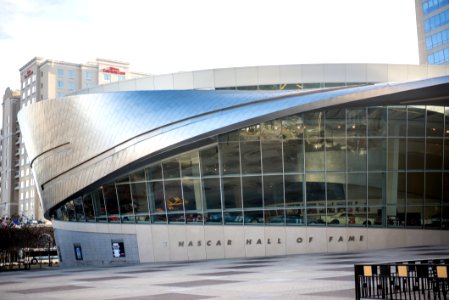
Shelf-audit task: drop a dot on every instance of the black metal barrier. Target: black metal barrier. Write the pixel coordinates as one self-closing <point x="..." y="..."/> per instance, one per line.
<point x="426" y="279"/>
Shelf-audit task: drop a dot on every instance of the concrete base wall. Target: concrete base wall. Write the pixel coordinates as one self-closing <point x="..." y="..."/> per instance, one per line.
<point x="159" y="243"/>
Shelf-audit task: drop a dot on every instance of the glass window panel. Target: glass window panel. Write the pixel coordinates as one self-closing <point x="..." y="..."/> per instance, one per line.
<point x="446" y="114"/>
<point x="396" y="154"/>
<point x="376" y="216"/>
<point x="315" y="189"/>
<point x="176" y="218"/>
<point x="171" y="168"/>
<point x="432" y="217"/>
<point x="213" y="217"/>
<point x="154" y="172"/>
<point x="357" y="190"/>
<point x="233" y="217"/>
<point x="295" y="216"/>
<point x="209" y="161"/>
<point x="415" y="154"/>
<point x="88" y="207"/>
<point x="434" y="154"/>
<point x="446" y="189"/>
<point x="271" y="130"/>
<point x="251" y="159"/>
<point x="356" y="154"/>
<point x="232" y="136"/>
<point x="396" y="216"/>
<point x="435" y="121"/>
<point x="446" y="154"/>
<point x="415" y="188"/>
<point x="292" y="127"/>
<point x="125" y="201"/>
<point x="377" y="183"/>
<point x="232" y="193"/>
<point x="99" y="206"/>
<point x="192" y="194"/>
<point x="314" y="157"/>
<point x="272" y="156"/>
<point x="413" y="216"/>
<point x="139" y="194"/>
<point x="156" y="196"/>
<point x="253" y="217"/>
<point x="315" y="215"/>
<point x="336" y="216"/>
<point x="314" y="141"/>
<point x="173" y="195"/>
<point x="335" y="123"/>
<point x="124" y="179"/>
<point x="196" y="218"/>
<point x="433" y="188"/>
<point x="273" y="191"/>
<point x="397" y="120"/>
<point x="377" y="151"/>
<point x="79" y="211"/>
<point x="356" y="122"/>
<point x="211" y="193"/>
<point x="396" y="189"/>
<point x="357" y="216"/>
<point x="445" y="217"/>
<point x="293" y="156"/>
<point x="160" y="218"/>
<point x="336" y="189"/>
<point x="274" y="217"/>
<point x="138" y="176"/>
<point x="416" y="120"/>
<point x="230" y="158"/>
<point x="250" y="133"/>
<point x="294" y="195"/>
<point x="70" y="211"/>
<point x="377" y="121"/>
<point x="110" y="198"/>
<point x="190" y="165"/>
<point x="335" y="154"/>
<point x="252" y="192"/>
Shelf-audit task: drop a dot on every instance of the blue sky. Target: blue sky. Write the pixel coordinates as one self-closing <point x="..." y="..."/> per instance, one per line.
<point x="163" y="36"/>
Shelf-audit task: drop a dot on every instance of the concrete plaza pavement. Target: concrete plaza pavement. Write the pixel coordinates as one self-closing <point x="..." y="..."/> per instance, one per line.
<point x="327" y="276"/>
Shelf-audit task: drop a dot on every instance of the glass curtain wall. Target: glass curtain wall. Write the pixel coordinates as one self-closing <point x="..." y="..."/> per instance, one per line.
<point x="374" y="166"/>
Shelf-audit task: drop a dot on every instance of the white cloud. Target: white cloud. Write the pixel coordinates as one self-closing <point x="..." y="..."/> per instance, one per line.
<point x="161" y="36"/>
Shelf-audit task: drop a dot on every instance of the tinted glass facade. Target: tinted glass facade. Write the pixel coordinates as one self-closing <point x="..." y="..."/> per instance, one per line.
<point x="381" y="166"/>
<point x="435" y="19"/>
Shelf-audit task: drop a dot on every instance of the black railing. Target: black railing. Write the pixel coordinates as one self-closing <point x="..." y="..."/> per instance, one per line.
<point x="426" y="279"/>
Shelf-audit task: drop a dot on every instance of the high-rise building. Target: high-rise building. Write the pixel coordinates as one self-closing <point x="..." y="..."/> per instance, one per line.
<point x="42" y="79"/>
<point x="10" y="142"/>
<point x="432" y="18"/>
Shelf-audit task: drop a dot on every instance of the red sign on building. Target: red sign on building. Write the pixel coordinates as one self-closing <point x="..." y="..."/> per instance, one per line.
<point x="113" y="70"/>
<point x="28" y="74"/>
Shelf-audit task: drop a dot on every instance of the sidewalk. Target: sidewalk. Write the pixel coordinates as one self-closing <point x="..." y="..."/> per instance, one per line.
<point x="308" y="276"/>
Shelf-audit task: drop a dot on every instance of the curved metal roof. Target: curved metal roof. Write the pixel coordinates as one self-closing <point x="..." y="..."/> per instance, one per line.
<point x="75" y="141"/>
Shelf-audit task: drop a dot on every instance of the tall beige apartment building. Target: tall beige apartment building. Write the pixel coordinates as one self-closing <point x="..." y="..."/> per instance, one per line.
<point x="42" y="79"/>
<point x="10" y="144"/>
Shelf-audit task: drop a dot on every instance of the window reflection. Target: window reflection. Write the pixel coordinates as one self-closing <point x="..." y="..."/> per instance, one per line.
<point x="126" y="203"/>
<point x="88" y="208"/>
<point x="272" y="156"/>
<point x="110" y="198"/>
<point x="375" y="166"/>
<point x="273" y="187"/>
<point x="377" y="121"/>
<point x="416" y="117"/>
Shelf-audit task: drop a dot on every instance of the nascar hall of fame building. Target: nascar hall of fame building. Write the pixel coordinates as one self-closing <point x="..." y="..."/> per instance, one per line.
<point x="244" y="162"/>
